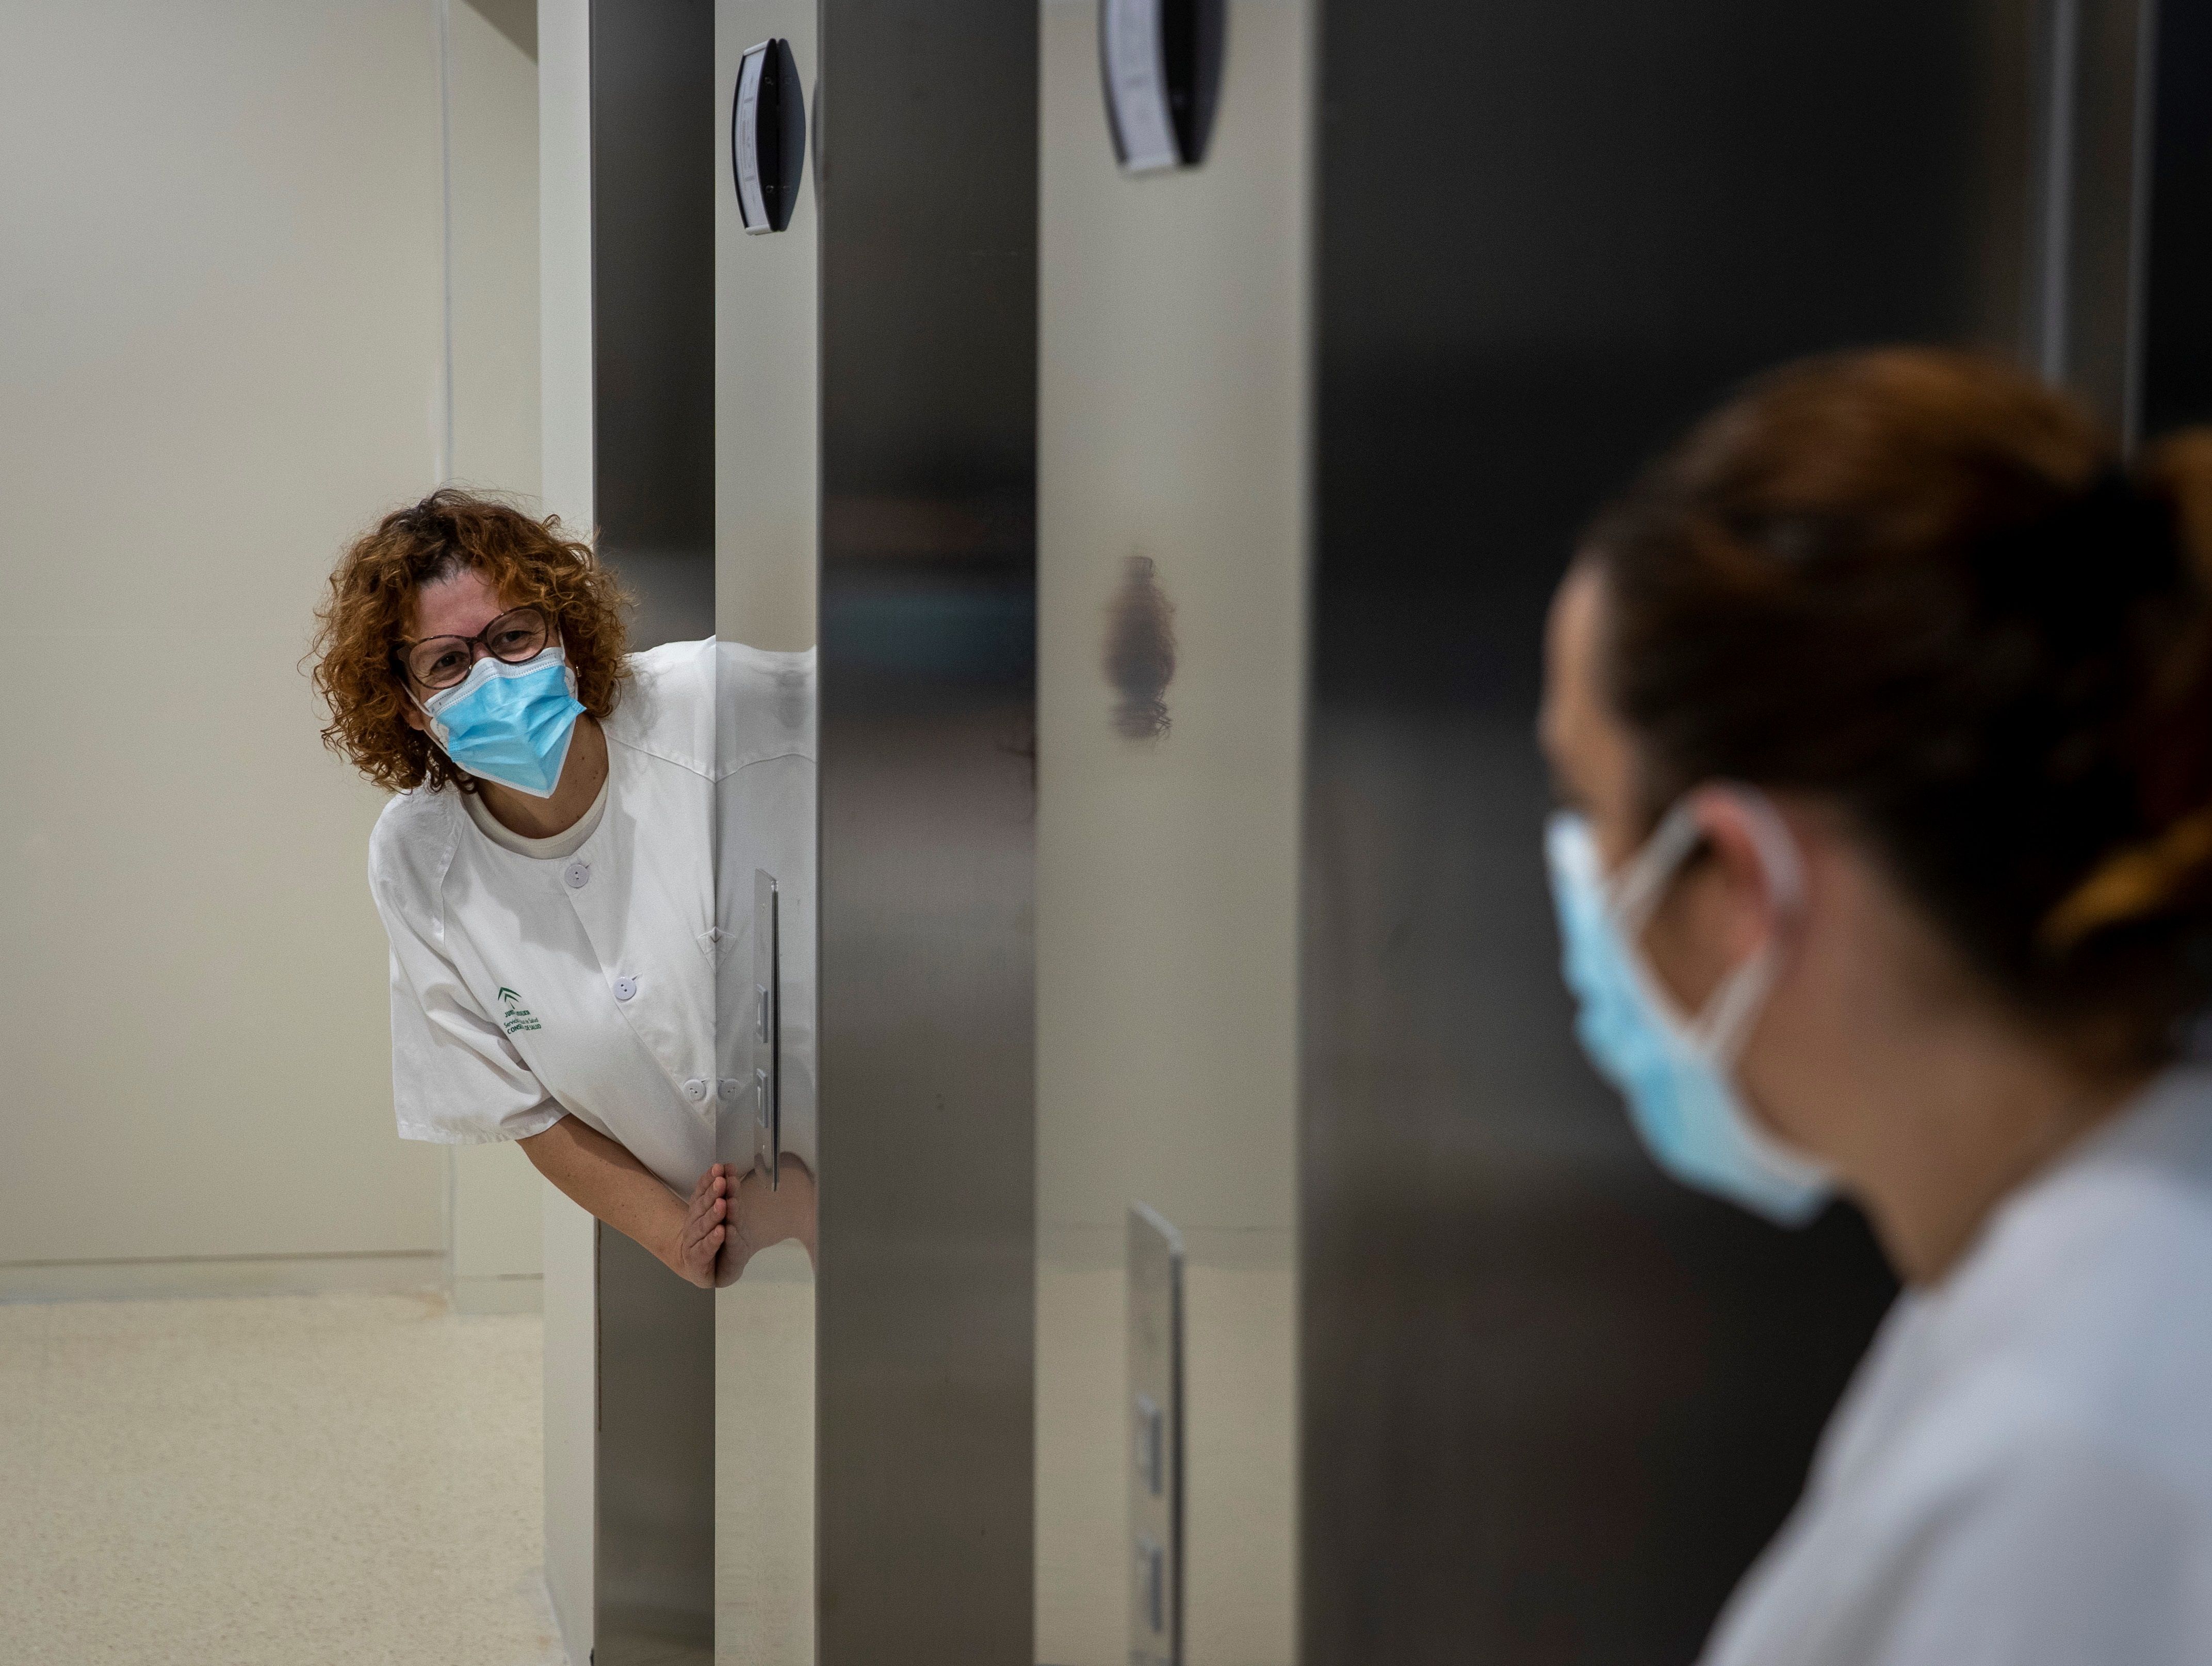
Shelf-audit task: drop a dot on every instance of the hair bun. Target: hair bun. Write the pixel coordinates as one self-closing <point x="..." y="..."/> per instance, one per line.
<point x="1913" y="582"/>
<point x="2037" y="568"/>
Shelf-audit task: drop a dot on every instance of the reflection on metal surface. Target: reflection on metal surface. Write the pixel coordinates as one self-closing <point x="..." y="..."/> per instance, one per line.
<point x="767" y="1029"/>
<point x="928" y="378"/>
<point x="651" y="320"/>
<point x="1553" y="1405"/>
<point x="764" y="805"/>
<point x="656" y="1462"/>
<point x="767" y="508"/>
<point x="1172" y="332"/>
<point x="2095" y="73"/>
<point x="652" y="308"/>
<point x="765" y="832"/>
<point x="1141" y="651"/>
<point x="1155" y="1388"/>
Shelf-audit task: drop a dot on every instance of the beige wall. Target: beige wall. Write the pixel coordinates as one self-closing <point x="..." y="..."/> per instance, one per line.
<point x="222" y="274"/>
<point x="491" y="68"/>
<point x="222" y="350"/>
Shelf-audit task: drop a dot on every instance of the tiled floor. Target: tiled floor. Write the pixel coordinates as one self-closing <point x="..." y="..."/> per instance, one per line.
<point x="295" y="1481"/>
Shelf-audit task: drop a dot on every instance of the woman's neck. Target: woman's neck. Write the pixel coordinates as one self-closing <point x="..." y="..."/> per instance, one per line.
<point x="582" y="774"/>
<point x="1963" y="1133"/>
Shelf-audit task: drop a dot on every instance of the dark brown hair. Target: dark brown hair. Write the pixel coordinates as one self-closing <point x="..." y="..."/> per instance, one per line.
<point x="1918" y="585"/>
<point x="372" y="595"/>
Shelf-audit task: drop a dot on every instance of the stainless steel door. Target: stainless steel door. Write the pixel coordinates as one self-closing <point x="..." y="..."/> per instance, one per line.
<point x="1172" y="555"/>
<point x="651" y="325"/>
<point x="767" y="513"/>
<point x="927" y="124"/>
<point x="1552" y="1404"/>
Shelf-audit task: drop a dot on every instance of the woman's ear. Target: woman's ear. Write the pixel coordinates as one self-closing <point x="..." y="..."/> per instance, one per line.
<point x="1756" y="875"/>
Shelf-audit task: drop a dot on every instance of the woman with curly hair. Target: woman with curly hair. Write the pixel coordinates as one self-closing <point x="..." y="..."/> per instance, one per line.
<point x="545" y="871"/>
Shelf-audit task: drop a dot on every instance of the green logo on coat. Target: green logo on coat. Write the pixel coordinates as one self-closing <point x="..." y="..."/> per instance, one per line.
<point x="518" y="1017"/>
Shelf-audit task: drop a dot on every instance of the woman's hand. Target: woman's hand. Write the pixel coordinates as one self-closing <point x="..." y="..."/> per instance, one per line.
<point x="764" y="1216"/>
<point x="689" y="1237"/>
<point x="705" y="1229"/>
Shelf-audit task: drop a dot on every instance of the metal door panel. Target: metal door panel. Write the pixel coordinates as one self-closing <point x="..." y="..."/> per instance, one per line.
<point x="927" y="122"/>
<point x="1552" y="1404"/>
<point x="1172" y="552"/>
<point x="767" y="511"/>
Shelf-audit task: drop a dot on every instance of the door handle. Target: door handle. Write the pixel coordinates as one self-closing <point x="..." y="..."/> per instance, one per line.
<point x="767" y="1027"/>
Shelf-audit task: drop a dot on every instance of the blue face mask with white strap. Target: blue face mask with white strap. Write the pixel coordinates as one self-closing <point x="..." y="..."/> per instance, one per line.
<point x="1675" y="1072"/>
<point x="509" y="724"/>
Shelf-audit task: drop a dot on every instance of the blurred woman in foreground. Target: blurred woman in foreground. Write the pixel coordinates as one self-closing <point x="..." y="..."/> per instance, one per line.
<point x="1881" y="715"/>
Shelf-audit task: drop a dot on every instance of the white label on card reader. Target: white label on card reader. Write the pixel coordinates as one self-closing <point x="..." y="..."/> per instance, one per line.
<point x="1136" y="80"/>
<point x="751" y="203"/>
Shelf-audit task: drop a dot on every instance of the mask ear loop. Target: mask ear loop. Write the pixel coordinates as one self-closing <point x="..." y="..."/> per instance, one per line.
<point x="1725" y="1025"/>
<point x="1633" y="896"/>
<point x="1634" y="892"/>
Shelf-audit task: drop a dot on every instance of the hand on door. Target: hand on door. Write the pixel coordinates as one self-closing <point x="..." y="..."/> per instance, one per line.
<point x="761" y="1216"/>
<point x="705" y="1234"/>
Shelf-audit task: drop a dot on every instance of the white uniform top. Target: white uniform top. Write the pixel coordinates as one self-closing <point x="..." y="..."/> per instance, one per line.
<point x="527" y="987"/>
<point x="2021" y="1472"/>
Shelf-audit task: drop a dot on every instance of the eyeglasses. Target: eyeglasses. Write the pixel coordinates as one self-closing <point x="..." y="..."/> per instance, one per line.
<point x="439" y="662"/>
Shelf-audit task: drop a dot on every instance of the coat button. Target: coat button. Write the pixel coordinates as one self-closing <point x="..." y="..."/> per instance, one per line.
<point x="578" y="874"/>
<point x="625" y="987"/>
<point x="695" y="1088"/>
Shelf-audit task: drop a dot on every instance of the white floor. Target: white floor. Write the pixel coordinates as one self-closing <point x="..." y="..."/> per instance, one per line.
<point x="296" y="1481"/>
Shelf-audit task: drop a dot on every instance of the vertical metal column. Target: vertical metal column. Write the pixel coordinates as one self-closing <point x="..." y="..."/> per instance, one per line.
<point x="768" y="519"/>
<point x="652" y="328"/>
<point x="1172" y="556"/>
<point x="2177" y="326"/>
<point x="2095" y="80"/>
<point x="926" y="120"/>
<point x="1553" y="1404"/>
<point x="653" y="306"/>
<point x="655" y="1559"/>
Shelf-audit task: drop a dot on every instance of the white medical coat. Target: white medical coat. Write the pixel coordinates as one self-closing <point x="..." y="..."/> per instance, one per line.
<point x="524" y="987"/>
<point x="2021" y="1472"/>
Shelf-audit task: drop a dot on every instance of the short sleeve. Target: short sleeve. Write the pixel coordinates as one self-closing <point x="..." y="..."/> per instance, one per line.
<point x="456" y="1078"/>
<point x="2072" y="1554"/>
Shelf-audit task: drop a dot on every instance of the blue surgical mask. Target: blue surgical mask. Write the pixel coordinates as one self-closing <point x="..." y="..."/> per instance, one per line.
<point x="1674" y="1071"/>
<point x="509" y="724"/>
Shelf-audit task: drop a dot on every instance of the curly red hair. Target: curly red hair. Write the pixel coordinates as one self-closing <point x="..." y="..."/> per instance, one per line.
<point x="362" y="623"/>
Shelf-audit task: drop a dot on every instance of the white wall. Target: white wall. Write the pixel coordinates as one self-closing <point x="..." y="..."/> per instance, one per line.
<point x="220" y="352"/>
<point x="223" y="339"/>
<point x="491" y="82"/>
